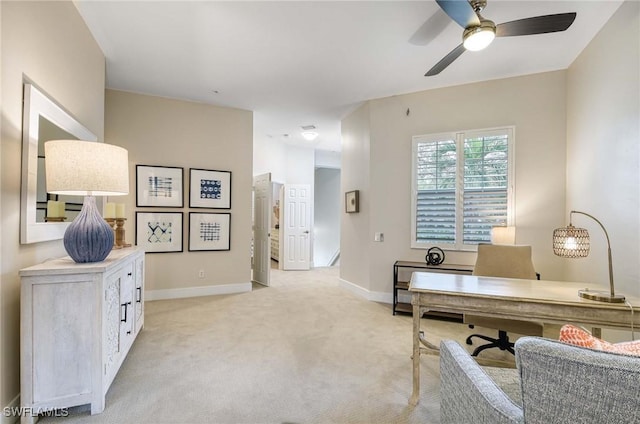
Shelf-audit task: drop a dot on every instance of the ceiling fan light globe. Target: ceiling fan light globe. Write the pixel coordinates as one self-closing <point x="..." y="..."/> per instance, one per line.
<point x="478" y="38"/>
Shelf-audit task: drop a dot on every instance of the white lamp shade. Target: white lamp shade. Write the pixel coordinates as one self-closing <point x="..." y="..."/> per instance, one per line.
<point x="503" y="235"/>
<point x="77" y="167"/>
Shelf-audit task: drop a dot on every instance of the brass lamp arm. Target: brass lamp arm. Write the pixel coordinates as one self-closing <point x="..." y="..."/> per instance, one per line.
<point x="608" y="247"/>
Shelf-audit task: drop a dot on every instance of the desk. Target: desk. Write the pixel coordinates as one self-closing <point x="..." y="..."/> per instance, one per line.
<point x="537" y="300"/>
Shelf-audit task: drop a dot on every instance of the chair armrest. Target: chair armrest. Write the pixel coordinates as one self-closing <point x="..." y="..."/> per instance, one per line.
<point x="468" y="394"/>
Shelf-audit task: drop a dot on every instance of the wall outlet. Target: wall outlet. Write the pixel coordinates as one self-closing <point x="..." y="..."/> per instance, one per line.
<point x="201" y="273"/>
<point x="378" y="237"/>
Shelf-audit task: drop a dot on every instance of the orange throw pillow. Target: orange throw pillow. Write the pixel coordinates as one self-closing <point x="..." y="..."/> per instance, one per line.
<point x="579" y="337"/>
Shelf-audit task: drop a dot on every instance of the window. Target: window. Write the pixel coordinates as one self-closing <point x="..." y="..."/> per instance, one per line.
<point x="462" y="187"/>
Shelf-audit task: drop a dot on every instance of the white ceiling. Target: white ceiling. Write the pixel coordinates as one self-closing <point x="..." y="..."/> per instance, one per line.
<point x="297" y="63"/>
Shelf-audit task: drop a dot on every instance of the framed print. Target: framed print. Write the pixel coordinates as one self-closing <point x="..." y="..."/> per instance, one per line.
<point x="209" y="231"/>
<point x="352" y="201"/>
<point x="159" y="232"/>
<point x="209" y="189"/>
<point x="159" y="186"/>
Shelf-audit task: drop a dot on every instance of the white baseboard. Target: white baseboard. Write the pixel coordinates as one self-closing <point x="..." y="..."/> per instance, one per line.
<point x="197" y="291"/>
<point x="382" y="297"/>
<point x="9" y="412"/>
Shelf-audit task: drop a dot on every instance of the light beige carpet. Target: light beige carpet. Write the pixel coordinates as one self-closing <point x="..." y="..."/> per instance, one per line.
<point x="301" y="351"/>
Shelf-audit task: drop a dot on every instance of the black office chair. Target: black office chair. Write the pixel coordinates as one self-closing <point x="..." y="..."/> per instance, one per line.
<point x="507" y="261"/>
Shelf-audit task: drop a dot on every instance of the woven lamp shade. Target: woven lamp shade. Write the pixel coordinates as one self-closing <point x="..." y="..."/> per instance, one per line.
<point x="571" y="242"/>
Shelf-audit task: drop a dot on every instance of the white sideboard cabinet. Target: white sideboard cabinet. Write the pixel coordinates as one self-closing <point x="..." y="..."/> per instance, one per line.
<point x="77" y="323"/>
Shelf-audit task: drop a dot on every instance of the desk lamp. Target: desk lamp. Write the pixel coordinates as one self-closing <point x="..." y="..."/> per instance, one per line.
<point x="502" y="234"/>
<point x="572" y="242"/>
<point x="85" y="168"/>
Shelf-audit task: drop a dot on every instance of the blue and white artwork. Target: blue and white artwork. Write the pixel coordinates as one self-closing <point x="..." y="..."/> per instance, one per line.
<point x="209" y="231"/>
<point x="160" y="186"/>
<point x="210" y="189"/>
<point x="158" y="232"/>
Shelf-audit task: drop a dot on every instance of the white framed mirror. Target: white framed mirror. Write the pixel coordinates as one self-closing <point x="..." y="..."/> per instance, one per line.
<point x="43" y="120"/>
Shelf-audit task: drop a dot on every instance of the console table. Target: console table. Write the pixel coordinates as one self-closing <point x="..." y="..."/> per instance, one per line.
<point x="538" y="300"/>
<point x="77" y="323"/>
<point x="402" y="271"/>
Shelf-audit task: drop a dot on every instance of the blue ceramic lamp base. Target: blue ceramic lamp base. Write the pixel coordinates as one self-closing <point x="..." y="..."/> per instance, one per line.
<point x="89" y="238"/>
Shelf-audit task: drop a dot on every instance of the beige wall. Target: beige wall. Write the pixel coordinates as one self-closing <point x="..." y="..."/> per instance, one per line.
<point x="166" y="132"/>
<point x="48" y="43"/>
<point x="603" y="138"/>
<point x="2" y="354"/>
<point x="355" y="231"/>
<point x="534" y="104"/>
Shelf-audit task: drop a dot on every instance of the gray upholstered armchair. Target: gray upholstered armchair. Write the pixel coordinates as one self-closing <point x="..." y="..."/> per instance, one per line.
<point x="554" y="383"/>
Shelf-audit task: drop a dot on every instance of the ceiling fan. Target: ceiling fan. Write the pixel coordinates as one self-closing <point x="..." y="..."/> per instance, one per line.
<point x="480" y="32"/>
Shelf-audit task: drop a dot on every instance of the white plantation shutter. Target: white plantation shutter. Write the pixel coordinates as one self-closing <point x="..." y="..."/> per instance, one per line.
<point x="485" y="197"/>
<point x="436" y="216"/>
<point x="461" y="187"/>
<point x="436" y="171"/>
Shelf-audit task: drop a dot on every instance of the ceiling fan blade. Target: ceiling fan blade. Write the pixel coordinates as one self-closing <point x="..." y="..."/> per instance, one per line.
<point x="460" y="11"/>
<point x="536" y="25"/>
<point x="430" y="29"/>
<point x="446" y="61"/>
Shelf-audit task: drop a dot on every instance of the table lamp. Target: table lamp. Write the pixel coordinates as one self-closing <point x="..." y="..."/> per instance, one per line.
<point x="503" y="234"/>
<point x="85" y="168"/>
<point x="572" y="242"/>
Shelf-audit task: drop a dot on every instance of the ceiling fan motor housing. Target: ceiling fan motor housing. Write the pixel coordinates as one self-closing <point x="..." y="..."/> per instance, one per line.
<point x="478" y="5"/>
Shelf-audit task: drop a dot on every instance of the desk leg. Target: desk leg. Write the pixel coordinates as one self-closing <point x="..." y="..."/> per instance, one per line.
<point x="413" y="401"/>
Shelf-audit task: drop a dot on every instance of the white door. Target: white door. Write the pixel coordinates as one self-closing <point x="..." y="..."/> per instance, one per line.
<point x="262" y="200"/>
<point x="296" y="240"/>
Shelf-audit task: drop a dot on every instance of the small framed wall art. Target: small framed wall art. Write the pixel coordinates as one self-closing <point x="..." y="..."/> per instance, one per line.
<point x="159" y="232"/>
<point x="209" y="231"/>
<point x="352" y="201"/>
<point x="159" y="186"/>
<point x="209" y="189"/>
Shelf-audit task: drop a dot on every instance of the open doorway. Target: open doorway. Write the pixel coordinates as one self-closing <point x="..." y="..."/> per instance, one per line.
<point x="326" y="229"/>
<point x="291" y="164"/>
<point x="324" y="223"/>
<point x="275" y="225"/>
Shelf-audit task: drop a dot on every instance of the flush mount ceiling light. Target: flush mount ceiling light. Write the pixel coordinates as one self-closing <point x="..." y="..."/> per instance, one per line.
<point x="310" y="135"/>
